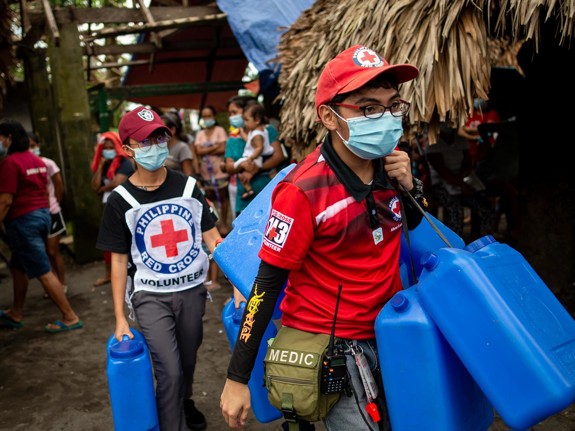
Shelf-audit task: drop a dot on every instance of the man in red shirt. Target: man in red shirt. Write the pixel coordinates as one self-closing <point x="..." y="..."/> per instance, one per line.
<point x="336" y="220"/>
<point x="24" y="211"/>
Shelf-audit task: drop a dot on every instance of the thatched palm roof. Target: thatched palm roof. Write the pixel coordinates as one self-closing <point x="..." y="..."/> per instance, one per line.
<point x="447" y="40"/>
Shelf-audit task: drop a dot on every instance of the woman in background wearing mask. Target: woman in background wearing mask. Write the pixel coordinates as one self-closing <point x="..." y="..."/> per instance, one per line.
<point x="210" y="146"/>
<point x="154" y="224"/>
<point x="180" y="157"/>
<point x="111" y="167"/>
<point x="24" y="209"/>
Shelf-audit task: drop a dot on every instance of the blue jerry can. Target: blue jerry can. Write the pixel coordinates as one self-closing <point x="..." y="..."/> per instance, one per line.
<point x="506" y="326"/>
<point x="131" y="384"/>
<point x="426" y="385"/>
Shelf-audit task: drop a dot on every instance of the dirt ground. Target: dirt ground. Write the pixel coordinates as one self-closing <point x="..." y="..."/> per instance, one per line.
<point x="57" y="382"/>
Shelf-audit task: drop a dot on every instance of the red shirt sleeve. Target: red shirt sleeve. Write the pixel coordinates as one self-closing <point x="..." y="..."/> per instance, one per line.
<point x="290" y="228"/>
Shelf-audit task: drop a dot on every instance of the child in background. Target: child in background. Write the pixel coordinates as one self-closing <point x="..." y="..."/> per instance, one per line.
<point x="257" y="142"/>
<point x="57" y="226"/>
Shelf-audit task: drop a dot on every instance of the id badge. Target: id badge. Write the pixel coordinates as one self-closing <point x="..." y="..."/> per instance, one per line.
<point x="377" y="235"/>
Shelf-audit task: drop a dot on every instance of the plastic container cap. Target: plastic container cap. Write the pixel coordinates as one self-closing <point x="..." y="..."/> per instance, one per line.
<point x="478" y="244"/>
<point x="429" y="261"/>
<point x="399" y="302"/>
<point x="126" y="349"/>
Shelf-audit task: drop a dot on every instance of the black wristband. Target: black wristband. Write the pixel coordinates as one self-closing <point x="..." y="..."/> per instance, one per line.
<point x="417" y="192"/>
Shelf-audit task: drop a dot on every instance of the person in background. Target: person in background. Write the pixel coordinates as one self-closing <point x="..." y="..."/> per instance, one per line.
<point x="210" y="146"/>
<point x="454" y="185"/>
<point x="180" y="157"/>
<point x="257" y="143"/>
<point x="259" y="177"/>
<point x="24" y="209"/>
<point x="159" y="215"/>
<point x="336" y="219"/>
<point x="482" y="113"/>
<point x="499" y="170"/>
<point x="111" y="167"/>
<point x="57" y="226"/>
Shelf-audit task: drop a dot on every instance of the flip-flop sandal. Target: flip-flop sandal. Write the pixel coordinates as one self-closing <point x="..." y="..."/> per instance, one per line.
<point x="62" y="327"/>
<point x="7" y="322"/>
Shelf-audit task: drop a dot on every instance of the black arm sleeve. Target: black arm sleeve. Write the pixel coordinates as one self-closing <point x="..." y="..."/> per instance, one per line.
<point x="257" y="315"/>
<point x="412" y="213"/>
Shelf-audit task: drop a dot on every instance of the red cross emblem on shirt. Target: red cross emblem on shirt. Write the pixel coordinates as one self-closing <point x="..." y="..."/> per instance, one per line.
<point x="169" y="238"/>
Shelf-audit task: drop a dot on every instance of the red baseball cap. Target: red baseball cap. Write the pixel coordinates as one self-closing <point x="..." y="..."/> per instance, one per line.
<point x="352" y="69"/>
<point x="140" y="123"/>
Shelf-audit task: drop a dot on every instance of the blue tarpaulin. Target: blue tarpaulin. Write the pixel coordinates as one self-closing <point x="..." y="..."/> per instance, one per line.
<point x="258" y="25"/>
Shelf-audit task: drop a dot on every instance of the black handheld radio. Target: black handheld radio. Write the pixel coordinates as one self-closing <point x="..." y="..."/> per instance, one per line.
<point x="334" y="370"/>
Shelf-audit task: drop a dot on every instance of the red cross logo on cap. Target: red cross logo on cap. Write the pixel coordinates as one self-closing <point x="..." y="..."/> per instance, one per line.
<point x="366" y="57"/>
<point x="169" y="238"/>
<point x="146" y="115"/>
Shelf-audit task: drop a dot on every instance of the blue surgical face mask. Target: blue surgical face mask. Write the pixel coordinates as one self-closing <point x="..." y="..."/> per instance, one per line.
<point x="35" y="151"/>
<point x="372" y="138"/>
<point x="208" y="122"/>
<point x="2" y="149"/>
<point x="153" y="159"/>
<point x="237" y="121"/>
<point x="109" y="154"/>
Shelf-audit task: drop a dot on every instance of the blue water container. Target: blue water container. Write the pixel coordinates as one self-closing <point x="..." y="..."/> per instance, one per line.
<point x="131" y="384"/>
<point x="404" y="275"/>
<point x="237" y="255"/>
<point x="263" y="410"/>
<point x="424" y="239"/>
<point x="426" y="385"/>
<point x="506" y="326"/>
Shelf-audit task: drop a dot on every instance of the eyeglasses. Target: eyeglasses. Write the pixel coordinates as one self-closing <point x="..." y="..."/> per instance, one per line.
<point x="159" y="140"/>
<point x="375" y="111"/>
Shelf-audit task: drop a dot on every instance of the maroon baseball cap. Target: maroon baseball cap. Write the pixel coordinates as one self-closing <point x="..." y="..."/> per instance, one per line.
<point x="352" y="69"/>
<point x="140" y="123"/>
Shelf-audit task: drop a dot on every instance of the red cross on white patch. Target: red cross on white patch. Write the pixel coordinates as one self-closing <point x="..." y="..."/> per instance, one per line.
<point x="169" y="238"/>
<point x="366" y="57"/>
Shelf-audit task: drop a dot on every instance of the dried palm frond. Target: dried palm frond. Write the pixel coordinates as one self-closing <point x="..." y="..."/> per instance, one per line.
<point x="503" y="53"/>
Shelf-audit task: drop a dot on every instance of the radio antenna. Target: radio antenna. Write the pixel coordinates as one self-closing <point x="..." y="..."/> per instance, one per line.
<point x="332" y="335"/>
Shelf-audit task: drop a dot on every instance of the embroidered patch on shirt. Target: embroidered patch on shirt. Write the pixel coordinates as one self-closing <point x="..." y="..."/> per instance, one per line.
<point x="395" y="209"/>
<point x="277" y="230"/>
<point x="377" y="235"/>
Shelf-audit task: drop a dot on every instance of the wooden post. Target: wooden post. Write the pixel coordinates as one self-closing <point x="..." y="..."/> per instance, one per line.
<point x="77" y="137"/>
<point x="42" y="112"/>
